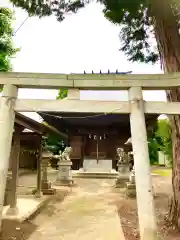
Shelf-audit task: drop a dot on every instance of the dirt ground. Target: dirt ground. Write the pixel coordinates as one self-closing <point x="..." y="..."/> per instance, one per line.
<point x="22" y="231"/>
<point x="127" y="209"/>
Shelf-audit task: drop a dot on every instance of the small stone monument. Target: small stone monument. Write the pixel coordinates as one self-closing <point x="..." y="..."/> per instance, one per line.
<point x="131" y="185"/>
<point x="65" y="174"/>
<point x="123" y="169"/>
<point x="45" y="183"/>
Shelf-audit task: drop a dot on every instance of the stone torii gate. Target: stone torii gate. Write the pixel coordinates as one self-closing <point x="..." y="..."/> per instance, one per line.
<point x="136" y="107"/>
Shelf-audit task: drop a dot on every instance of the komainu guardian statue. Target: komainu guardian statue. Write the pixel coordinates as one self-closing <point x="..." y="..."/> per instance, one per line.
<point x="122" y="156"/>
<point x="65" y="156"/>
<point x="64" y="177"/>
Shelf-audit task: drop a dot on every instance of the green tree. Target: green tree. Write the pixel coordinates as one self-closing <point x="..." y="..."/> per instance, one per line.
<point x="52" y="142"/>
<point x="140" y="20"/>
<point x="7" y="49"/>
<point x="153" y="150"/>
<point x="62" y="93"/>
<point x="163" y="137"/>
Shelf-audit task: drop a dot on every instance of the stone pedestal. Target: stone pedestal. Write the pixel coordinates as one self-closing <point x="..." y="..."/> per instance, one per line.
<point x="46" y="188"/>
<point x="92" y="165"/>
<point x="131" y="190"/>
<point x="123" y="175"/>
<point x="65" y="174"/>
<point x="131" y="186"/>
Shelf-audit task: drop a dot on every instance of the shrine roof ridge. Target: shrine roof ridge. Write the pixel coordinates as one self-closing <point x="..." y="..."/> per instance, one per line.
<point x="109" y="72"/>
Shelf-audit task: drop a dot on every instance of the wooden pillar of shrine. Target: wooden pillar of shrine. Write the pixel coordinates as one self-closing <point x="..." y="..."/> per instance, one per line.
<point x="77" y="155"/>
<point x="13" y="208"/>
<point x="39" y="193"/>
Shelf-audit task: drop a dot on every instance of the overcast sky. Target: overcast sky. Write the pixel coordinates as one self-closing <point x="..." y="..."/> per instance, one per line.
<point x="83" y="41"/>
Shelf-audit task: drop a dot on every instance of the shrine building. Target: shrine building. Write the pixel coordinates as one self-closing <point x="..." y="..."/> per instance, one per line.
<point x="94" y="136"/>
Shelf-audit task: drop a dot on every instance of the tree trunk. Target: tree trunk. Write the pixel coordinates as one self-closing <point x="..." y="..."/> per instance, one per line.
<point x="168" y="42"/>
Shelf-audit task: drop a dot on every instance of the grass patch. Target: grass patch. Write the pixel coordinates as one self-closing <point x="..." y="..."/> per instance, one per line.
<point x="163" y="172"/>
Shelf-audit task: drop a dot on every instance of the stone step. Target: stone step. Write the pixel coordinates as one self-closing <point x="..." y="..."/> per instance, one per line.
<point x="104" y="175"/>
<point x="102" y="165"/>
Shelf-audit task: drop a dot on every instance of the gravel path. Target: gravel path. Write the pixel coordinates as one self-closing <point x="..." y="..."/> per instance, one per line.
<point x="87" y="213"/>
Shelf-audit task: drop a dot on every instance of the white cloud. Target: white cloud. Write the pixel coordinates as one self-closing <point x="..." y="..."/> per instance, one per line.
<point x="84" y="41"/>
<point x="121" y="95"/>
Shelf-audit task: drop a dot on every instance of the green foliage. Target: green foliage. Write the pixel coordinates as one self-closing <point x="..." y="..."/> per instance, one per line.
<point x="153" y="150"/>
<point x="160" y="140"/>
<point x="136" y="29"/>
<point x="163" y="136"/>
<point x="7" y="49"/>
<point x="62" y="93"/>
<point x="52" y="143"/>
<point x="43" y="8"/>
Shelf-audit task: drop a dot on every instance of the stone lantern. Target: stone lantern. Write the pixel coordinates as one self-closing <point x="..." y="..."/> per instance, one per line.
<point x="45" y="183"/>
<point x="123" y="169"/>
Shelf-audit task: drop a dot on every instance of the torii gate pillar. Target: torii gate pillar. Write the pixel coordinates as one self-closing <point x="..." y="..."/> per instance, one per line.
<point x="7" y="116"/>
<point x="145" y="201"/>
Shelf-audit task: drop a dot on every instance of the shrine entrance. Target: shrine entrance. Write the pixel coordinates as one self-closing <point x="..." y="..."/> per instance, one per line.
<point x="97" y="147"/>
<point x="97" y="155"/>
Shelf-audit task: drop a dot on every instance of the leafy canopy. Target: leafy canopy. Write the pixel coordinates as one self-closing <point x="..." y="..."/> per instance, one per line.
<point x="7" y="49"/>
<point x="44" y="8"/>
<point x="136" y="33"/>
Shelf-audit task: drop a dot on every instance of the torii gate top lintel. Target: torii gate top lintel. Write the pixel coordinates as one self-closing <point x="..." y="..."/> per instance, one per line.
<point x="91" y="81"/>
